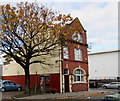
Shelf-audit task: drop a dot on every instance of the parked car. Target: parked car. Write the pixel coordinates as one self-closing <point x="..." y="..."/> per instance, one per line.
<point x="115" y="85"/>
<point x="112" y="97"/>
<point x="6" y="85"/>
<point x="93" y="84"/>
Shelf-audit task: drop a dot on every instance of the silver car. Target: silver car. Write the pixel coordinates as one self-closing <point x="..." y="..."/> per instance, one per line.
<point x="115" y="85"/>
<point x="112" y="97"/>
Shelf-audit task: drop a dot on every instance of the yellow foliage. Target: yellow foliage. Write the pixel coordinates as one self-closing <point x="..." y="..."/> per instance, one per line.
<point x="31" y="13"/>
<point x="14" y="8"/>
<point x="7" y="12"/>
<point x="21" y="11"/>
<point x="18" y="16"/>
<point x="50" y="23"/>
<point x="1" y="6"/>
<point x="23" y="14"/>
<point x="7" y="24"/>
<point x="4" y="36"/>
<point x="17" y="11"/>
<point x="26" y="16"/>
<point x="25" y="20"/>
<point x="56" y="38"/>
<point x="36" y="13"/>
<point x="11" y="27"/>
<point x="8" y="6"/>
<point x="7" y="18"/>
<point x="35" y="18"/>
<point x="28" y="7"/>
<point x="3" y="26"/>
<point x="12" y="14"/>
<point x="25" y="36"/>
<point x="33" y="22"/>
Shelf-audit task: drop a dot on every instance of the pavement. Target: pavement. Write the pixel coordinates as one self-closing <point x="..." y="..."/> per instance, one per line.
<point x="0" y="96"/>
<point x="68" y="95"/>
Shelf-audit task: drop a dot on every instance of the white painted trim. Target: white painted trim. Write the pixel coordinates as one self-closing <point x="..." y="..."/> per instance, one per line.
<point x="70" y="83"/>
<point x="63" y="86"/>
<point x="60" y="70"/>
<point x="84" y="76"/>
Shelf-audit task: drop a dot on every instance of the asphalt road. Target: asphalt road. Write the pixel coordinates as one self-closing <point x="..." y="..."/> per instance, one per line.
<point x="112" y="91"/>
<point x="8" y="94"/>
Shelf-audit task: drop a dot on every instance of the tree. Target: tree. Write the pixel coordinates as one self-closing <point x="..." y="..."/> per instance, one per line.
<point x="28" y="31"/>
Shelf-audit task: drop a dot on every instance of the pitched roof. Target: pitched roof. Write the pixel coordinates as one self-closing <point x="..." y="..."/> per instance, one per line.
<point x="76" y="20"/>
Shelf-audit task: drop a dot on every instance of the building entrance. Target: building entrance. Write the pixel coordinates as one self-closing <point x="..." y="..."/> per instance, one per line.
<point x="66" y="78"/>
<point x="44" y="83"/>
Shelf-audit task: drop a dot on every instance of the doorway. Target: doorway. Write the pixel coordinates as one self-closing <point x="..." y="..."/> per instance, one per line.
<point x="66" y="78"/>
<point x="44" y="83"/>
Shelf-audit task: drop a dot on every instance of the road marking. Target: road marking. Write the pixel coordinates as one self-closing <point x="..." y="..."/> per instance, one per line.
<point x="10" y="97"/>
<point x="67" y="97"/>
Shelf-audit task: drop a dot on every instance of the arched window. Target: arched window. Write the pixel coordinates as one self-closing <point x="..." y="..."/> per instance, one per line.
<point x="77" y="37"/>
<point x="79" y="76"/>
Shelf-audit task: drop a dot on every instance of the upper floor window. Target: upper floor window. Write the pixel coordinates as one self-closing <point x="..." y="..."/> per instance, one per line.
<point x="79" y="76"/>
<point x="78" y="54"/>
<point x="77" y="37"/>
<point x="65" y="52"/>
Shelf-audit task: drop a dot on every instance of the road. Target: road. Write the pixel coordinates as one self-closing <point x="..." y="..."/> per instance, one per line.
<point x="112" y="91"/>
<point x="8" y="94"/>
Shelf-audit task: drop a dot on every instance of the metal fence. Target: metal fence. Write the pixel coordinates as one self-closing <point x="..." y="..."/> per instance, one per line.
<point x="104" y="78"/>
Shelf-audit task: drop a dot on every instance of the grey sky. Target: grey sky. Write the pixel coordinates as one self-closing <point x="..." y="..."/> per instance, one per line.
<point x="100" y="19"/>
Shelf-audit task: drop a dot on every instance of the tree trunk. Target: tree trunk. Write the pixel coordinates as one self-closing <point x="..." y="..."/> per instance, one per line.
<point x="27" y="80"/>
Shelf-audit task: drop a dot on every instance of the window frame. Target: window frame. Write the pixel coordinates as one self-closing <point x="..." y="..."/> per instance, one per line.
<point x="78" y="54"/>
<point x="79" y="38"/>
<point x="80" y="76"/>
<point x="66" y="52"/>
<point x="66" y="71"/>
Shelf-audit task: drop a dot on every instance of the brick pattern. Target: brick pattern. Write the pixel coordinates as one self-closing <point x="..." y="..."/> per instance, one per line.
<point x="79" y="87"/>
<point x="71" y="63"/>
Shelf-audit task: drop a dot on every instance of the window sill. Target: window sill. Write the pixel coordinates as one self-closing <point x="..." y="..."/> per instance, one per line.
<point x="75" y="60"/>
<point x="66" y="58"/>
<point x="78" y="60"/>
<point x="78" y="82"/>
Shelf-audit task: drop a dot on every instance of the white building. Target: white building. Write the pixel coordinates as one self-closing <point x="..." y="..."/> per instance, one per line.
<point x="103" y="65"/>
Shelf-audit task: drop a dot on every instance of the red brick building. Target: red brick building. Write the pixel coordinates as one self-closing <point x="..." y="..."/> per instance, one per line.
<point x="70" y="70"/>
<point x="75" y="60"/>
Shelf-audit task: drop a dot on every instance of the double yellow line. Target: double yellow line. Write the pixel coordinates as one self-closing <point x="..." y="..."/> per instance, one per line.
<point x="67" y="97"/>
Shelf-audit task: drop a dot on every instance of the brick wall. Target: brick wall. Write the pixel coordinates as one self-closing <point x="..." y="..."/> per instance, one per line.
<point x="79" y="87"/>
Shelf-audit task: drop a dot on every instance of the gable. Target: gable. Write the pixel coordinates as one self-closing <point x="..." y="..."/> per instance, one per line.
<point x="76" y="23"/>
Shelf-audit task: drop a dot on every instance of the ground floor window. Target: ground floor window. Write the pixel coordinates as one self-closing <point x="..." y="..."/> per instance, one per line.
<point x="79" y="76"/>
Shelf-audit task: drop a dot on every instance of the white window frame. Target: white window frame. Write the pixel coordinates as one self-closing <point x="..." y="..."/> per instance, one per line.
<point x="79" y="73"/>
<point x="65" y="52"/>
<point x="77" y="37"/>
<point x="78" y="54"/>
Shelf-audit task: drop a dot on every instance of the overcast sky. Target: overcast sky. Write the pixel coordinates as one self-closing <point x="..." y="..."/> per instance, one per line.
<point x="100" y="19"/>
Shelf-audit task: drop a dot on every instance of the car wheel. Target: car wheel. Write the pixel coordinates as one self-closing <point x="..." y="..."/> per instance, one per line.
<point x="105" y="87"/>
<point x="3" y="89"/>
<point x="119" y="87"/>
<point x="19" y="89"/>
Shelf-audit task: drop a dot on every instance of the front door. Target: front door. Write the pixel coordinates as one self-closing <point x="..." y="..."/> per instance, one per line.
<point x="66" y="78"/>
<point x="47" y="83"/>
<point x="44" y="83"/>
